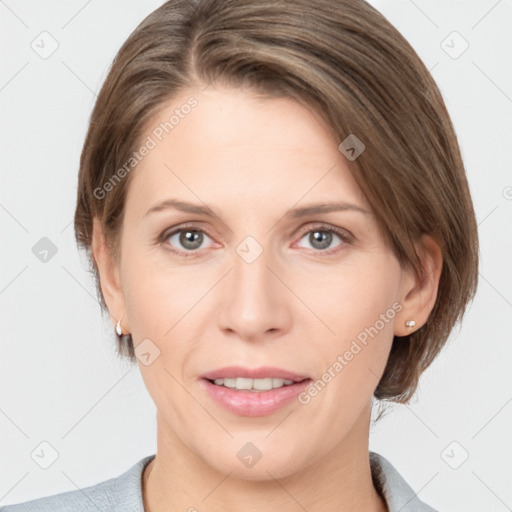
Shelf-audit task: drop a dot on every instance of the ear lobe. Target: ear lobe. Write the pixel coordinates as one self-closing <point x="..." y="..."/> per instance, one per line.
<point x="108" y="273"/>
<point x="419" y="292"/>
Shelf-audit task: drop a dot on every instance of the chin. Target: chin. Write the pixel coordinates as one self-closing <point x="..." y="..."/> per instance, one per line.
<point x="255" y="461"/>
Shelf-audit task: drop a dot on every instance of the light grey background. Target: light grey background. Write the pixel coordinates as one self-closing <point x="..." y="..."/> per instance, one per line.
<point x="60" y="381"/>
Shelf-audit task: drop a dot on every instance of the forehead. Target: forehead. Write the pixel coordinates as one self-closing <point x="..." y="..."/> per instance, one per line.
<point x="234" y="145"/>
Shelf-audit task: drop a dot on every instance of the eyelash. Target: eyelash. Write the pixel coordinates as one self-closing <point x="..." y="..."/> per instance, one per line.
<point x="326" y="228"/>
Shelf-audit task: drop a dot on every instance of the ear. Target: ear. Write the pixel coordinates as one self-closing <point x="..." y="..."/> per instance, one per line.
<point x="418" y="293"/>
<point x="109" y="276"/>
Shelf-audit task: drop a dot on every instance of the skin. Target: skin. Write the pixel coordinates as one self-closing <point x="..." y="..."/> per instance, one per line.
<point x="251" y="159"/>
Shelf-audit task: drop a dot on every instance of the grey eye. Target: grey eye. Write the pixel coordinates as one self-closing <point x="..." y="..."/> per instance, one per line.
<point x="320" y="239"/>
<point x="188" y="239"/>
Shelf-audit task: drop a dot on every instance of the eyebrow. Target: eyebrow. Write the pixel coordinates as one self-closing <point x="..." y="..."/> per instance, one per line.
<point x="292" y="213"/>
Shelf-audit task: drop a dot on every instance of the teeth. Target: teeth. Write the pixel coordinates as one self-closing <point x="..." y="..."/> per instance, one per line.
<point x="242" y="383"/>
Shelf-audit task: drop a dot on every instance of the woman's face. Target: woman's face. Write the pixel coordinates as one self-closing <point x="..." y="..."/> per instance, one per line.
<point x="261" y="284"/>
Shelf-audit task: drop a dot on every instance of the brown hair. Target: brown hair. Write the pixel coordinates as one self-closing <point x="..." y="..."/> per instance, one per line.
<point x="346" y="61"/>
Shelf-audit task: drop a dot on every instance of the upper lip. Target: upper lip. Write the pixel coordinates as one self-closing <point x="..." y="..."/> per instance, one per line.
<point x="230" y="372"/>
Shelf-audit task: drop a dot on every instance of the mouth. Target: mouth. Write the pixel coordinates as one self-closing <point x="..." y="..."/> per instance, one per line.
<point x="253" y="385"/>
<point x="253" y="392"/>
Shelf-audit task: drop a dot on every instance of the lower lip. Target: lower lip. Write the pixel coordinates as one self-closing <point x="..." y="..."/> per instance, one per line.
<point x="254" y="403"/>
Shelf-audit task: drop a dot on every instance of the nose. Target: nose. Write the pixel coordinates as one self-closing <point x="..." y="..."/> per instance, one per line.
<point x="256" y="304"/>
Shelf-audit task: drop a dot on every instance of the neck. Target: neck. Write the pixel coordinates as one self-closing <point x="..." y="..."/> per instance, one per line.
<point x="341" y="480"/>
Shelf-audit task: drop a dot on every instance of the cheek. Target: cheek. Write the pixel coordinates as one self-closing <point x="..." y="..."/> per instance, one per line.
<point x="352" y="298"/>
<point x="157" y="295"/>
<point x="150" y="305"/>
<point x="161" y="304"/>
<point x="359" y="304"/>
<point x="165" y="305"/>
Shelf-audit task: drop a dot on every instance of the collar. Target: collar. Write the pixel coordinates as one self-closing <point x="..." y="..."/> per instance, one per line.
<point x="396" y="492"/>
<point x="126" y="491"/>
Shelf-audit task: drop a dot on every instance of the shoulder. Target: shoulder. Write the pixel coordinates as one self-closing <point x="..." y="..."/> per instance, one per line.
<point x="123" y="492"/>
<point x="396" y="491"/>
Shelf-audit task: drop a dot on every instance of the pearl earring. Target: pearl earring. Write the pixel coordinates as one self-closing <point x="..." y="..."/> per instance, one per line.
<point x="119" y="330"/>
<point x="410" y="324"/>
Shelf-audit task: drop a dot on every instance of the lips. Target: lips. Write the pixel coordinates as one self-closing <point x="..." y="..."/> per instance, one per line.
<point x="250" y="402"/>
<point x="232" y="372"/>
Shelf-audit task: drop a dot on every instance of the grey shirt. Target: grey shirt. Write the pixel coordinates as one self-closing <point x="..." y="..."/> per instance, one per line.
<point x="124" y="493"/>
